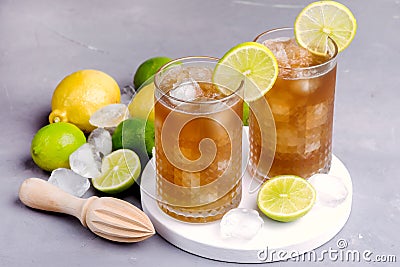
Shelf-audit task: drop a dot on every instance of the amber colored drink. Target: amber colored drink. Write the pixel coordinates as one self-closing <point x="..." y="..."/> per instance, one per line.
<point x="198" y="137"/>
<point x="301" y="102"/>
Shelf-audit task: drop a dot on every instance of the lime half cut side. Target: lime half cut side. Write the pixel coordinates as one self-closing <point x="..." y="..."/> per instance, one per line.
<point x="322" y="20"/>
<point x="119" y="170"/>
<point x="286" y="198"/>
<point x="251" y="63"/>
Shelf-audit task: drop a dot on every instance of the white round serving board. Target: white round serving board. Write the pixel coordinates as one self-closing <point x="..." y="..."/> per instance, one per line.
<point x="316" y="228"/>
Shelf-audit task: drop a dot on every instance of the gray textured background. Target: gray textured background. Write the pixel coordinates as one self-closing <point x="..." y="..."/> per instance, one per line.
<point x="43" y="41"/>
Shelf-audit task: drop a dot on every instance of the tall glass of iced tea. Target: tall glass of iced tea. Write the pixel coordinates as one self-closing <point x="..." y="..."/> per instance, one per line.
<point x="198" y="138"/>
<point x="301" y="102"/>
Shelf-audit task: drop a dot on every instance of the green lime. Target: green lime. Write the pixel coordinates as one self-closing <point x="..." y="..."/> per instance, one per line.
<point x="135" y="134"/>
<point x="323" y="19"/>
<point x="245" y="114"/>
<point x="119" y="171"/>
<point x="286" y="198"/>
<point x="52" y="145"/>
<point x="249" y="60"/>
<point x="147" y="69"/>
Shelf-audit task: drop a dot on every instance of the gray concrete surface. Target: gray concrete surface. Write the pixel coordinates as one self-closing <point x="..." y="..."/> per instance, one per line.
<point x="44" y="40"/>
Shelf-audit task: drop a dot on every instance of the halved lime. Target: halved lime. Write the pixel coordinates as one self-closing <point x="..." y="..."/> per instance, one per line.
<point x="250" y="62"/>
<point x="286" y="198"/>
<point x="323" y="19"/>
<point x="119" y="170"/>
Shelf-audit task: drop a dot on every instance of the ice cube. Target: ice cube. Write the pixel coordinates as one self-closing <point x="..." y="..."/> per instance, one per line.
<point x="101" y="140"/>
<point x="188" y="90"/>
<point x="69" y="181"/>
<point x="85" y="161"/>
<point x="312" y="144"/>
<point x="281" y="111"/>
<point x="331" y="191"/>
<point x="127" y="93"/>
<point x="290" y="55"/>
<point x="304" y="87"/>
<point x="287" y="136"/>
<point x="317" y="115"/>
<point x="241" y="223"/>
<point x="200" y="74"/>
<point x="174" y="74"/>
<point x="277" y="46"/>
<point x="181" y="74"/>
<point x="190" y="179"/>
<point x="222" y="165"/>
<point x="109" y="116"/>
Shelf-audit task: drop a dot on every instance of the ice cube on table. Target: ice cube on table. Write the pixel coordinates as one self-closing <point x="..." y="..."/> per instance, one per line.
<point x="85" y="161"/>
<point x="109" y="116"/>
<point x="127" y="93"/>
<point x="69" y="181"/>
<point x="101" y="140"/>
<point x="188" y="90"/>
<point x="241" y="223"/>
<point x="331" y="191"/>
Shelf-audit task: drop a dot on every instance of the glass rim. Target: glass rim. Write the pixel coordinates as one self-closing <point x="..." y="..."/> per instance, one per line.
<point x="332" y="59"/>
<point x="195" y="59"/>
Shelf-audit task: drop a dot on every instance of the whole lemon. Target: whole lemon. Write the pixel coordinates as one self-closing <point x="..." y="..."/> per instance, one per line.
<point x="80" y="94"/>
<point x="53" y="144"/>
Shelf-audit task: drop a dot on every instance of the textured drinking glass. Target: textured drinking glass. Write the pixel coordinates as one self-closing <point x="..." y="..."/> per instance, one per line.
<point x="301" y="102"/>
<point x="198" y="140"/>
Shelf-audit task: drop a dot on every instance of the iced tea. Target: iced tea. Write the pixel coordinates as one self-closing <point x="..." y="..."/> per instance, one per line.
<point x="301" y="102"/>
<point x="198" y="137"/>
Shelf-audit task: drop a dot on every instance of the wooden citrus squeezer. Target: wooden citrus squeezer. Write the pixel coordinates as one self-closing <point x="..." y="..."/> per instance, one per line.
<point x="108" y="217"/>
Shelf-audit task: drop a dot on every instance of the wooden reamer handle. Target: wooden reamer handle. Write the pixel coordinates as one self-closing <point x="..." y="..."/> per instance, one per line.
<point x="39" y="194"/>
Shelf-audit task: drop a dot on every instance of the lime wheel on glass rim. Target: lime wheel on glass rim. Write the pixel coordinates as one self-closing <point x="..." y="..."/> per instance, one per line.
<point x="252" y="62"/>
<point x="322" y="20"/>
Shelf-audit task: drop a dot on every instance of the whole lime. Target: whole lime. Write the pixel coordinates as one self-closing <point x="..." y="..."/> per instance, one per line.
<point x="136" y="134"/>
<point x="52" y="145"/>
<point x="147" y="69"/>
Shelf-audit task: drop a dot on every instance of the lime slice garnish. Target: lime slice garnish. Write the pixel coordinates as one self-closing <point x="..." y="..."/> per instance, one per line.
<point x="323" y="19"/>
<point x="286" y="198"/>
<point x="250" y="62"/>
<point x="119" y="171"/>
